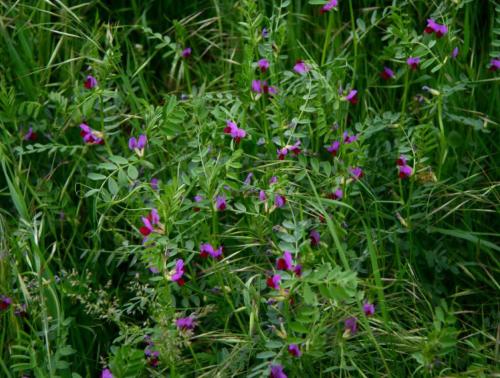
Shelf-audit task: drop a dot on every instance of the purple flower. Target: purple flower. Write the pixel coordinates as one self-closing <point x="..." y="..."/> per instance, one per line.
<point x="301" y="67"/>
<point x="198" y="198"/>
<point x="138" y="144"/>
<point x="333" y="148"/>
<point x="185" y="324"/>
<point x="329" y="6"/>
<point x="298" y="270"/>
<point x="434" y="27"/>
<point x="315" y="238"/>
<point x="413" y="62"/>
<point x="273" y="180"/>
<point x="106" y="373"/>
<point x="186" y="53"/>
<point x="154" y="183"/>
<point x="277" y="372"/>
<point x="90" y="136"/>
<point x="352" y="96"/>
<point x="349" y="139"/>
<point x="274" y="281"/>
<point x="178" y="272"/>
<point x="368" y="309"/>
<point x="30" y="135"/>
<point x="454" y="53"/>
<point x="285" y="262"/>
<point x="220" y="203"/>
<point x="154" y="216"/>
<point x="206" y="249"/>
<point x="261" y="86"/>
<point x="5" y="302"/>
<point x="90" y="82"/>
<point x="248" y="179"/>
<point x="263" y="65"/>
<point x="387" y="74"/>
<point x="294" y="350"/>
<point x="282" y="152"/>
<point x="357" y="172"/>
<point x="262" y="196"/>
<point x="494" y="64"/>
<point x="336" y="195"/>
<point x="256" y="86"/>
<point x="351" y="325"/>
<point x="236" y="133"/>
<point x="264" y="33"/>
<point x="405" y="170"/>
<point x="279" y="200"/>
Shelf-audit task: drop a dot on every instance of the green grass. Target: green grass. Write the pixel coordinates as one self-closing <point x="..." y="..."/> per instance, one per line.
<point x="424" y="250"/>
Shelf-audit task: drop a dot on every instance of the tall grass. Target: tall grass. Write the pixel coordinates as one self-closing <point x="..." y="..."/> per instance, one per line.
<point x="423" y="249"/>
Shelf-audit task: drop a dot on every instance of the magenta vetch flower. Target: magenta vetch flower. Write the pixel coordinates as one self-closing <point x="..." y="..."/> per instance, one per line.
<point x="285" y="262"/>
<point x="262" y="196"/>
<point x="248" y="179"/>
<point x="277" y="372"/>
<point x="494" y="64"/>
<point x="273" y="180"/>
<point x="138" y="144"/>
<point x="405" y="170"/>
<point x="263" y="64"/>
<point x="454" y="53"/>
<point x="90" y="82"/>
<point x="357" y="172"/>
<point x="106" y="373"/>
<point x="274" y="281"/>
<point x="5" y="302"/>
<point x="351" y="325"/>
<point x="298" y="270"/>
<point x="185" y="324"/>
<point x="336" y="195"/>
<point x="207" y="249"/>
<point x="236" y="133"/>
<point x="279" y="200"/>
<point x="261" y="86"/>
<point x="178" y="272"/>
<point x="90" y="136"/>
<point x="368" y="309"/>
<point x="30" y="135"/>
<point x="333" y="148"/>
<point x="301" y="67"/>
<point x="434" y="27"/>
<point x="413" y="62"/>
<point x="198" y="198"/>
<point x="352" y="97"/>
<point x="294" y="350"/>
<point x="220" y="203"/>
<point x="387" y="74"/>
<point x="295" y="149"/>
<point x="265" y="33"/>
<point x="349" y="139"/>
<point x="186" y="53"/>
<point x="315" y="238"/>
<point x="151" y="220"/>
<point x="154" y="183"/>
<point x="329" y="6"/>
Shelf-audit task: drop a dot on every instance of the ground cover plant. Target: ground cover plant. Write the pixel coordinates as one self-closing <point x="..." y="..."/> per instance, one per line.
<point x="250" y="188"/>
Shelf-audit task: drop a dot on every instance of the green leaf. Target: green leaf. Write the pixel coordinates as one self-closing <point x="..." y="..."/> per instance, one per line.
<point x="113" y="186"/>
<point x="266" y="355"/>
<point x="132" y="172"/>
<point x="96" y="176"/>
<point x="118" y="159"/>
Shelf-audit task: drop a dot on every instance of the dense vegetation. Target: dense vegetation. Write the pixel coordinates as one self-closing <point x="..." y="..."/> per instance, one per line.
<point x="250" y="188"/>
